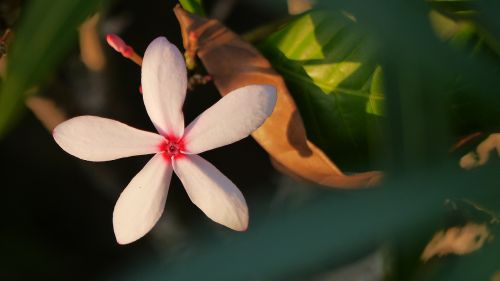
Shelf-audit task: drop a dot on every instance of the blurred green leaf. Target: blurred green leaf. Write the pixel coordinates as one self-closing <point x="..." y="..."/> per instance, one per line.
<point x="467" y="113"/>
<point x="329" y="65"/>
<point x="448" y="29"/>
<point x="478" y="15"/>
<point x="463" y="7"/>
<point x="328" y="231"/>
<point x="45" y="33"/>
<point x="193" y="6"/>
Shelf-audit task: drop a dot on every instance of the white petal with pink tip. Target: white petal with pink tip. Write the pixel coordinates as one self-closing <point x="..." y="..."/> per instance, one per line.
<point x="142" y="202"/>
<point x="95" y="138"/>
<point x="231" y="119"/>
<point x="164" y="84"/>
<point x="212" y="192"/>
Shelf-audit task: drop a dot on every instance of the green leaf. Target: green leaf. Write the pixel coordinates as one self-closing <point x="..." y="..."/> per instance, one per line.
<point x="43" y="37"/>
<point x="468" y="114"/>
<point x="193" y="6"/>
<point x="330" y="230"/>
<point x="329" y="65"/>
<point x="478" y="13"/>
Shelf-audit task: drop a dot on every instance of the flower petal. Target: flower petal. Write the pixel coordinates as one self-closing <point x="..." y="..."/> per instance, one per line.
<point x="143" y="200"/>
<point x="94" y="138"/>
<point x="232" y="118"/>
<point x="164" y="84"/>
<point x="212" y="192"/>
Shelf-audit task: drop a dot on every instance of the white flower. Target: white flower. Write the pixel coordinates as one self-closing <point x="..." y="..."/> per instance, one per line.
<point x="164" y="81"/>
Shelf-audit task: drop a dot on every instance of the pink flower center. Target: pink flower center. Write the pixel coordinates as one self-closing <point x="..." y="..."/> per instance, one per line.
<point x="172" y="148"/>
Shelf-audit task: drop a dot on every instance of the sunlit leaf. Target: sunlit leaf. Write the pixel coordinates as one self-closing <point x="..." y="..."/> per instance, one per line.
<point x="328" y="63"/>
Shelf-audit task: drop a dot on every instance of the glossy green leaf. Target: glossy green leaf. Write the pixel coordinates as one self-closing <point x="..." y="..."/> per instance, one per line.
<point x="45" y="33"/>
<point x="329" y="65"/>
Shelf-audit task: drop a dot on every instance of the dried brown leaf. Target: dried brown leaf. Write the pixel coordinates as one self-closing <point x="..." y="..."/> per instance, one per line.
<point x="90" y="46"/>
<point x="457" y="240"/>
<point x="481" y="155"/>
<point x="296" y="7"/>
<point x="46" y="111"/>
<point x="234" y="63"/>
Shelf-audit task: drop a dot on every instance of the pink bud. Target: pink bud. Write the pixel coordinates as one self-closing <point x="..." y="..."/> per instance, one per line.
<point x="119" y="45"/>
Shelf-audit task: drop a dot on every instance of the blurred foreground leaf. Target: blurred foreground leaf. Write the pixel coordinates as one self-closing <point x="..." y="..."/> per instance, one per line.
<point x="470" y="113"/>
<point x="333" y="228"/>
<point x="234" y="63"/>
<point x="483" y="14"/>
<point x="45" y="33"/>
